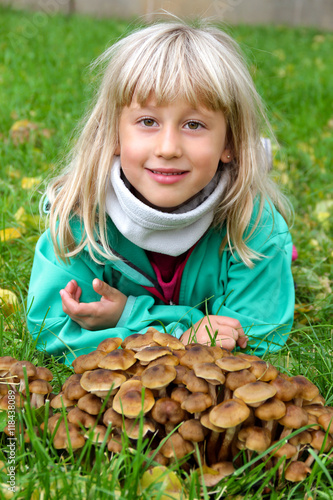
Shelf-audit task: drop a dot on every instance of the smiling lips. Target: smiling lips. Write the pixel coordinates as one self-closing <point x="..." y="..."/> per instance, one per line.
<point x="167" y="176"/>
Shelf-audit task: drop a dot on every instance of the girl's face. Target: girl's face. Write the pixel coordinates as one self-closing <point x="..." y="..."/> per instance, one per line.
<point x="169" y="153"/>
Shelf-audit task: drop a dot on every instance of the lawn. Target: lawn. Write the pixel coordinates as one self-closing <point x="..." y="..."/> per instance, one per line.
<point x="45" y="86"/>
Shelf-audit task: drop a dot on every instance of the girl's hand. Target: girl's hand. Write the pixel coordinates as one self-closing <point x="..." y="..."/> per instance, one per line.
<point x="230" y="332"/>
<point x="93" y="315"/>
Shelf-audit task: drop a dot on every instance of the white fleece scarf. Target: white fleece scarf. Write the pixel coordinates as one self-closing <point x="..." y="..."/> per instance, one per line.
<point x="163" y="232"/>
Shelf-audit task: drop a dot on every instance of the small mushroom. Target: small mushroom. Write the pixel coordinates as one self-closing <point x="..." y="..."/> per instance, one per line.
<point x="176" y="447"/>
<point x="110" y="344"/>
<point x="119" y="359"/>
<point x="196" y="403"/>
<point x="255" y="393"/>
<point x="101" y="382"/>
<point x="228" y="415"/>
<point x="168" y="412"/>
<point x="296" y="472"/>
<point x="129" y="400"/>
<point x="17" y="370"/>
<point x="39" y="389"/>
<point x="158" y="377"/>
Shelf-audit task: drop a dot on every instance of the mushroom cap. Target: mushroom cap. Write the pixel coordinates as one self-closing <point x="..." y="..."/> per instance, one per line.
<point x="215" y="473"/>
<point x="193" y="430"/>
<point x="40" y="387"/>
<point x="195" y="354"/>
<point x="113" y="418"/>
<point x="87" y="362"/>
<point x="148" y="354"/>
<point x="140" y="342"/>
<point x="81" y="417"/>
<point x="96" y="433"/>
<point x="321" y="441"/>
<point x="197" y="402"/>
<point x="205" y="421"/>
<point x="294" y="418"/>
<point x="255" y="438"/>
<point x="165" y="360"/>
<point x="303" y="437"/>
<point x="255" y="392"/>
<point x="287" y="450"/>
<point x="130" y="401"/>
<point x="76" y="377"/>
<point x="158" y="376"/>
<point x="60" y="440"/>
<point x="115" y="445"/>
<point x="61" y="400"/>
<point x="176" y="446"/>
<point x="210" y="372"/>
<point x="239" y="378"/>
<point x="296" y="472"/>
<point x="17" y="369"/>
<point x="74" y="390"/>
<point x="229" y="413"/>
<point x="181" y="371"/>
<point x="101" y="380"/>
<point x="285" y="389"/>
<point x="90" y="403"/>
<point x="326" y="421"/>
<point x="233" y="364"/>
<point x="168" y="410"/>
<point x="194" y="383"/>
<point x="110" y="344"/>
<point x="167" y="340"/>
<point x="179" y="394"/>
<point x="6" y="362"/>
<point x="134" y="428"/>
<point x="120" y="359"/>
<point x="263" y="371"/>
<point x="273" y="409"/>
<point x="129" y="339"/>
<point x="43" y="373"/>
<point x="305" y="389"/>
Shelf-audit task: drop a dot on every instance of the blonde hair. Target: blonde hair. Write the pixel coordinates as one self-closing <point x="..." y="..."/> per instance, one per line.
<point x="169" y="60"/>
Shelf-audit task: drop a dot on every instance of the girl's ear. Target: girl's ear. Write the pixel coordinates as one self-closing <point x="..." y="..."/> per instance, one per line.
<point x="227" y="156"/>
<point x="117" y="150"/>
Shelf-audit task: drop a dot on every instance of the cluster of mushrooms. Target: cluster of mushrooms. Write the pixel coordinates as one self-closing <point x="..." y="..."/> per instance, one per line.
<point x="198" y="404"/>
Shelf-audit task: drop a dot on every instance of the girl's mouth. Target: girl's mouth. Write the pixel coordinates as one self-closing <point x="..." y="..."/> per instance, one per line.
<point x="166" y="173"/>
<point x="167" y="177"/>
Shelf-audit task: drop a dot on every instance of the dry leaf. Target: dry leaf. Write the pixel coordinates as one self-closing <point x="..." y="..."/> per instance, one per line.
<point x="30" y="182"/>
<point x="8" y="301"/>
<point x="9" y="234"/>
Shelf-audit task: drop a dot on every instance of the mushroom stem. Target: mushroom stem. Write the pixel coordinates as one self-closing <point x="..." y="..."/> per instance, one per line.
<point x="212" y="446"/>
<point x="226" y="443"/>
<point x="212" y="393"/>
<point x="308" y="462"/>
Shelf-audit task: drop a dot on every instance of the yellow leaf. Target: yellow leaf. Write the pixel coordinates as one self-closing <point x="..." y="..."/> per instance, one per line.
<point x="9" y="234"/>
<point x="164" y="480"/>
<point x="8" y="301"/>
<point x="30" y="182"/>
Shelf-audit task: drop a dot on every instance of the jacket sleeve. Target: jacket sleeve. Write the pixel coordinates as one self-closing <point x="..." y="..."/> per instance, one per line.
<point x="262" y="298"/>
<point x="55" y="331"/>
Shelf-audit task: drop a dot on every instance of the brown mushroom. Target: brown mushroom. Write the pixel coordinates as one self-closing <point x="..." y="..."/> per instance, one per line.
<point x="196" y="403"/>
<point x="39" y="389"/>
<point x="176" y="447"/>
<point x="168" y="412"/>
<point x="255" y="393"/>
<point x="119" y="359"/>
<point x="296" y="472"/>
<point x="17" y="369"/>
<point x="110" y="344"/>
<point x="228" y="415"/>
<point x="130" y="400"/>
<point x="158" y="377"/>
<point x="101" y="382"/>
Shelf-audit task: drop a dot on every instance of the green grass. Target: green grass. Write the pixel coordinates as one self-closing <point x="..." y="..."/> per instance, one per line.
<point x="44" y="79"/>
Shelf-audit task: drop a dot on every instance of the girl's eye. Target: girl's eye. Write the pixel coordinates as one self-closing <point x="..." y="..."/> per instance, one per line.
<point x="193" y="125"/>
<point x="148" y="122"/>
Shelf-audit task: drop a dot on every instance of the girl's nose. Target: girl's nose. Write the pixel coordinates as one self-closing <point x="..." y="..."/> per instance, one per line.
<point x="168" y="143"/>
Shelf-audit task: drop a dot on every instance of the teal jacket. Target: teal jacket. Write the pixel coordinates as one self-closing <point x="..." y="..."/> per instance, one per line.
<point x="261" y="298"/>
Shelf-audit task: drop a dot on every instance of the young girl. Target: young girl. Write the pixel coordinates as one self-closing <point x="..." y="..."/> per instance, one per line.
<point x="165" y="215"/>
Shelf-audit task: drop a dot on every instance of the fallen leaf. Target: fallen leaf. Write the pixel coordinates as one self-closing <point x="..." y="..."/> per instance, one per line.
<point x="9" y="234"/>
<point x="8" y="301"/>
<point x="30" y="182"/>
